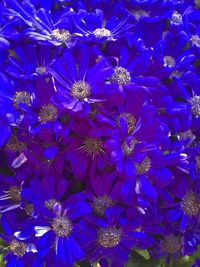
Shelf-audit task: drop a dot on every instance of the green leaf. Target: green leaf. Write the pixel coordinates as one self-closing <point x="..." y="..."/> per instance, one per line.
<point x="143" y="253"/>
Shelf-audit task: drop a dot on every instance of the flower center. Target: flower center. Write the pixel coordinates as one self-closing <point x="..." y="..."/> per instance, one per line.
<point x="13" y="54"/>
<point x="92" y="146"/>
<point x="49" y="204"/>
<point x="120" y="76"/>
<point x="14" y="193"/>
<point x="176" y="18"/>
<point x="130" y="120"/>
<point x="18" y="248"/>
<point x="187" y="134"/>
<point x="21" y="97"/>
<point x="15" y="145"/>
<point x="171" y="244"/>
<point x="29" y="208"/>
<point x="176" y="74"/>
<point x="80" y="90"/>
<point x="101" y="204"/>
<point x="169" y="61"/>
<point x="195" y="105"/>
<point x="109" y="237"/>
<point x="191" y="204"/>
<point x="61" y="35"/>
<point x="62" y="226"/>
<point x="195" y="40"/>
<point x="48" y="113"/>
<point x="143" y="167"/>
<point x="128" y="148"/>
<point x="40" y="70"/>
<point x="139" y="13"/>
<point x="198" y="161"/>
<point x="102" y="32"/>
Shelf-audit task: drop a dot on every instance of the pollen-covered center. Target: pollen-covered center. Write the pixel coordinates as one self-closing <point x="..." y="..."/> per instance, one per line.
<point x="130" y="120"/>
<point x="186" y="134"/>
<point x="169" y="61"/>
<point x="101" y="204"/>
<point x="15" y="145"/>
<point x="109" y="237"/>
<point x="41" y="70"/>
<point x="176" y="18"/>
<point x="176" y="74"/>
<point x="190" y="204"/>
<point x="128" y="147"/>
<point x="18" y="248"/>
<point x="139" y="13"/>
<point x="93" y="145"/>
<point x="61" y="35"/>
<point x="62" y="226"/>
<point x="48" y="113"/>
<point x="21" y="97"/>
<point x="102" y="32"/>
<point x="198" y="162"/>
<point x="171" y="244"/>
<point x="143" y="167"/>
<point x="80" y="90"/>
<point x="14" y="193"/>
<point x="195" y="105"/>
<point x="29" y="209"/>
<point x="121" y="76"/>
<point x="195" y="39"/>
<point x="49" y="204"/>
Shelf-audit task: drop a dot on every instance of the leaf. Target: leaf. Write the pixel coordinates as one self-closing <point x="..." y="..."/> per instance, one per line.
<point x="143" y="253"/>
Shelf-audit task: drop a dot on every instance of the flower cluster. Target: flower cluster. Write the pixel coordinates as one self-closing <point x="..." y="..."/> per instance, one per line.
<point x="99" y="130"/>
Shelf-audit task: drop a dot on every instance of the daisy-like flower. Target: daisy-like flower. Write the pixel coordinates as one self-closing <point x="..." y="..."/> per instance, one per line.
<point x="93" y="27"/>
<point x="11" y="189"/>
<point x="112" y="236"/>
<point x="42" y="26"/>
<point x="18" y="252"/>
<point x="61" y="231"/>
<point x="29" y="62"/>
<point x="79" y="84"/>
<point x="186" y="205"/>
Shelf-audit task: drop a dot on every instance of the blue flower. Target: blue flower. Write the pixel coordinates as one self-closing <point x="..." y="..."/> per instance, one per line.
<point x="78" y="84"/>
<point x="62" y="230"/>
<point x="92" y="27"/>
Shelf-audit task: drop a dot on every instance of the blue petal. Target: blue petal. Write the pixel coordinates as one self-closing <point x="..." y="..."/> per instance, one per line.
<point x="148" y="189"/>
<point x="173" y="215"/>
<point x="11" y="262"/>
<point x="130" y="169"/>
<point x="76" y="249"/>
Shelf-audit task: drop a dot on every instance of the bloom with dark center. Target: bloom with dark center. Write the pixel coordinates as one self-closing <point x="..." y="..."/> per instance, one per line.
<point x="30" y="62"/>
<point x="60" y="230"/>
<point x="43" y="27"/>
<point x="111" y="30"/>
<point x="190" y="204"/>
<point x="88" y="149"/>
<point x="48" y="113"/>
<point x="10" y="198"/>
<point x="19" y="251"/>
<point x="185" y="208"/>
<point x="111" y="237"/>
<point x="78" y="84"/>
<point x="171" y="244"/>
